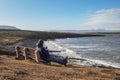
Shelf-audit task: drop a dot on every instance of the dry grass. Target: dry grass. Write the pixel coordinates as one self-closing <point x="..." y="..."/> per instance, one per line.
<point x="9" y="40"/>
<point x="11" y="69"/>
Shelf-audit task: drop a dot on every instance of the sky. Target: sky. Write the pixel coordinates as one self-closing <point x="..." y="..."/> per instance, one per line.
<point x="61" y="14"/>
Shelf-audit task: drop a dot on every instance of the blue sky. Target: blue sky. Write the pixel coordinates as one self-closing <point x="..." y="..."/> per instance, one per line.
<point x="61" y="14"/>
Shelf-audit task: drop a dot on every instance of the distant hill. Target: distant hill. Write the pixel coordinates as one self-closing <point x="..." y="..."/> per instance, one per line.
<point x="85" y="31"/>
<point x="78" y="31"/>
<point x="6" y="27"/>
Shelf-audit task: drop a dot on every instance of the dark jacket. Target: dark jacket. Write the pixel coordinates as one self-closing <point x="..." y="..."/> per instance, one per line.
<point x="45" y="54"/>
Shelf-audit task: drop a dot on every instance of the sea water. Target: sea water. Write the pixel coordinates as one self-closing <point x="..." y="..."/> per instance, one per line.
<point x="97" y="51"/>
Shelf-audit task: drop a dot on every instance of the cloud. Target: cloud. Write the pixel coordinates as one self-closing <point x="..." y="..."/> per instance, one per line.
<point x="108" y="19"/>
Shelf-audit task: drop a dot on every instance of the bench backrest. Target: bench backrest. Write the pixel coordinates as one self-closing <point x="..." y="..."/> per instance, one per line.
<point x="27" y="53"/>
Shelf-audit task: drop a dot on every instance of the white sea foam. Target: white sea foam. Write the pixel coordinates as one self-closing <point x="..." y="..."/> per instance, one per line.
<point x="52" y="45"/>
<point x="79" y="47"/>
<point x="100" y="62"/>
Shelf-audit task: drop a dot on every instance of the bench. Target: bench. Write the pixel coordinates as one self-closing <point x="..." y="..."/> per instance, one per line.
<point x="25" y="53"/>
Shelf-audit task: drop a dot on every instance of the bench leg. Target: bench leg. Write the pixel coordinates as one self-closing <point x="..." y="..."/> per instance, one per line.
<point x="25" y="53"/>
<point x="37" y="56"/>
<point x="17" y="52"/>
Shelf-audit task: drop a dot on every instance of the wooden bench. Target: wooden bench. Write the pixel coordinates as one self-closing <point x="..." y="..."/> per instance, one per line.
<point x="27" y="53"/>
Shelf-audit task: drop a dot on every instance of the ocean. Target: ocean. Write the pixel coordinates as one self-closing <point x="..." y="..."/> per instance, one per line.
<point x="89" y="51"/>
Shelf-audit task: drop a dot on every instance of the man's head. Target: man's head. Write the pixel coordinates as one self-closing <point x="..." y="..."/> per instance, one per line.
<point x="41" y="41"/>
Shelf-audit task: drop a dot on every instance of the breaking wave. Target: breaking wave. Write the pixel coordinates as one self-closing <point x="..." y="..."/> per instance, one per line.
<point x="75" y="57"/>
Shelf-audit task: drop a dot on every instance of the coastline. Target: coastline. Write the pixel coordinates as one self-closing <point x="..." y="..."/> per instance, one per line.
<point x="10" y="38"/>
<point x="76" y="58"/>
<point x="30" y="40"/>
<point x="72" y="55"/>
<point x="17" y="70"/>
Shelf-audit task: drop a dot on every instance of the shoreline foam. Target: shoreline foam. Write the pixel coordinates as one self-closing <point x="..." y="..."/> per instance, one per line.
<point x="52" y="45"/>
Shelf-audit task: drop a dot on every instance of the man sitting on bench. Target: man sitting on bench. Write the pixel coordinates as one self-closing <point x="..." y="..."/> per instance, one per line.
<point x="46" y="56"/>
<point x="44" y="51"/>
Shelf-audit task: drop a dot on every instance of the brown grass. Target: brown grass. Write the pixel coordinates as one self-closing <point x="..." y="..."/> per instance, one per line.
<point x="9" y="40"/>
<point x="11" y="69"/>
